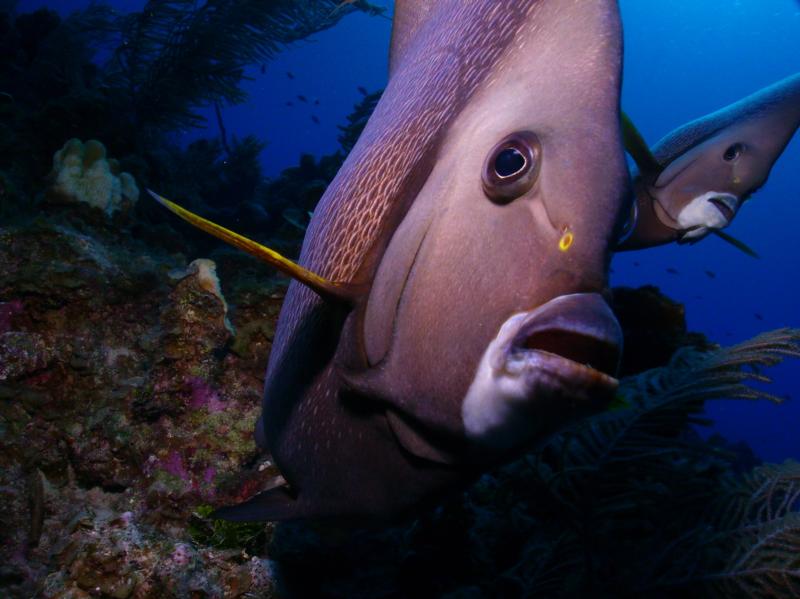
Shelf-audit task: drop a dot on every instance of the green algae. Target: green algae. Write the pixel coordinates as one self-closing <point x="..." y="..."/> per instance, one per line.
<point x="249" y="537"/>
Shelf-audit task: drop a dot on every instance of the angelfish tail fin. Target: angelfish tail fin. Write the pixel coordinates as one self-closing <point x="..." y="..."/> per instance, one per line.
<point x="275" y="504"/>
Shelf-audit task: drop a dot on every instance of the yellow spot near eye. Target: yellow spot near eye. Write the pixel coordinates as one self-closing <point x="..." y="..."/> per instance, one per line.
<point x="566" y="241"/>
<point x="736" y="180"/>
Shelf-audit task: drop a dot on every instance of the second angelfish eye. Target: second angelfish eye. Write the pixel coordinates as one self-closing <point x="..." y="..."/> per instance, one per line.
<point x="733" y="152"/>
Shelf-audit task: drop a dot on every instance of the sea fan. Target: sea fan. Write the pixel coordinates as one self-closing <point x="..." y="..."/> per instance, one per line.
<point x="638" y="481"/>
<point x="749" y="543"/>
<point x="759" y="528"/>
<point x="661" y="402"/>
<point x="178" y="55"/>
<point x="357" y="120"/>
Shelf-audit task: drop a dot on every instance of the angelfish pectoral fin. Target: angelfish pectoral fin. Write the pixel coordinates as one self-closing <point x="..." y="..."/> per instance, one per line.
<point x="327" y="289"/>
<point x="637" y="147"/>
<point x="737" y="243"/>
<point x="275" y="504"/>
<point x="415" y="442"/>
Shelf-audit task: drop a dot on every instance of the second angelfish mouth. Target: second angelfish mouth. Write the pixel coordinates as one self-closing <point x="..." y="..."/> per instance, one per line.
<point x="726" y="205"/>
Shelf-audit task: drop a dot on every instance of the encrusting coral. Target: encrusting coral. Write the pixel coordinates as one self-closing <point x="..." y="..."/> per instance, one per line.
<point x="83" y="173"/>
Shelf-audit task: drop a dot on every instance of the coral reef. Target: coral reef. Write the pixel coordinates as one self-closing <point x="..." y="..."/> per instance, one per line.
<point x="122" y="409"/>
<point x="83" y="173"/>
<point x="132" y="353"/>
<point x="104" y="550"/>
<point x="130" y="381"/>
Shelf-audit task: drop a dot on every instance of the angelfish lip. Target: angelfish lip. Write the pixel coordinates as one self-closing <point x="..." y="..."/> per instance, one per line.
<point x="723" y="204"/>
<point x="575" y="338"/>
<point x="544" y="368"/>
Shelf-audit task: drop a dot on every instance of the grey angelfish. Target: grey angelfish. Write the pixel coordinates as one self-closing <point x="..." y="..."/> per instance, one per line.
<point x="448" y="312"/>
<point x="697" y="177"/>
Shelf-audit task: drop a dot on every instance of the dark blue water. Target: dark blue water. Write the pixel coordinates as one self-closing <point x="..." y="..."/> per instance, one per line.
<point x="683" y="59"/>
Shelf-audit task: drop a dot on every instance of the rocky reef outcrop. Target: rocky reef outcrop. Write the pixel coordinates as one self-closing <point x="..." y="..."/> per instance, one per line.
<point x="128" y="393"/>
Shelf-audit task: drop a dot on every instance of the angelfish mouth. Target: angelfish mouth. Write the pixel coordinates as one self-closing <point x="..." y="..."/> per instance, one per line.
<point x="544" y="368"/>
<point x="575" y="339"/>
<point x="726" y="205"/>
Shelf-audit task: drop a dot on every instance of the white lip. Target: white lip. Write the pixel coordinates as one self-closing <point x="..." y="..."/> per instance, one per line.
<point x="517" y="388"/>
<point x="701" y="214"/>
<point x="729" y="200"/>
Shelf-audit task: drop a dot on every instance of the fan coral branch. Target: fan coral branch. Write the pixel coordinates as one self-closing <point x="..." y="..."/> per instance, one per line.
<point x="178" y="55"/>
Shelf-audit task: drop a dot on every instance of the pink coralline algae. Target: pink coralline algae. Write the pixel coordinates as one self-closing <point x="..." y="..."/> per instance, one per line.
<point x="200" y="479"/>
<point x="209" y="474"/>
<point x="154" y="415"/>
<point x="7" y="311"/>
<point x="204" y="484"/>
<point x="174" y="465"/>
<point x="203" y="396"/>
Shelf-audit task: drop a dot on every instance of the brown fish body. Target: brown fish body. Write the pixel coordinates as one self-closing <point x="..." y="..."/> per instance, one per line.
<point x="364" y="406"/>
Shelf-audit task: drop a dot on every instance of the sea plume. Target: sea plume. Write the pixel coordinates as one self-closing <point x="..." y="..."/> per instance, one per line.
<point x="759" y="529"/>
<point x="749" y="542"/>
<point x="639" y="487"/>
<point x="177" y="55"/>
<point x="654" y="407"/>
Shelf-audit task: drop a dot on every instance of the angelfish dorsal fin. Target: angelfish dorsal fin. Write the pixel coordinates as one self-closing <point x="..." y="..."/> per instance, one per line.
<point x="409" y="15"/>
<point x="637" y="147"/>
<point x="325" y="288"/>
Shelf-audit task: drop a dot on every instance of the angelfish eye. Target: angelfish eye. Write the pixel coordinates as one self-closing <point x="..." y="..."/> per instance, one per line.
<point x="733" y="152"/>
<point x="509" y="162"/>
<point x="512" y="167"/>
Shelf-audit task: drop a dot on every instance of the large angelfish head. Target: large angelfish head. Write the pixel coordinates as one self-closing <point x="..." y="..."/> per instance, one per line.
<point x="470" y="230"/>
<point x="712" y="165"/>
<point x="486" y="316"/>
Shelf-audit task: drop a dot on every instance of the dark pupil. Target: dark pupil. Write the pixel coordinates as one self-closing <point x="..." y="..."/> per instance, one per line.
<point x="509" y="162"/>
<point x="732" y="152"/>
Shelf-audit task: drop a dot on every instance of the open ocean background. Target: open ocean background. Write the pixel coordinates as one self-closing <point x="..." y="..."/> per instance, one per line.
<point x="683" y="59"/>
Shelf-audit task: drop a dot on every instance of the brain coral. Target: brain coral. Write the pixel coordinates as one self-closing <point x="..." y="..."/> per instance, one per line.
<point x="83" y="173"/>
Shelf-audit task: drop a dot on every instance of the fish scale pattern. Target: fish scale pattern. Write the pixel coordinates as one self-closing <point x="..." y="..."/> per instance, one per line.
<point x="450" y="56"/>
<point x="444" y="68"/>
